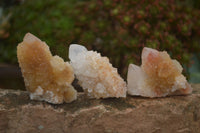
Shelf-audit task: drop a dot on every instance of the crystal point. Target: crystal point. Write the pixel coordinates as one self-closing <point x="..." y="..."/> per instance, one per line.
<point x="74" y="50"/>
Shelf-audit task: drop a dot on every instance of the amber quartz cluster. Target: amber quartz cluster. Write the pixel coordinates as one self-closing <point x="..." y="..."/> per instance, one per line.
<point x="47" y="78"/>
<point x="158" y="76"/>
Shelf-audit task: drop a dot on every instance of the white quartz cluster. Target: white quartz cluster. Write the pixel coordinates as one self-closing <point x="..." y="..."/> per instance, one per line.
<point x="97" y="77"/>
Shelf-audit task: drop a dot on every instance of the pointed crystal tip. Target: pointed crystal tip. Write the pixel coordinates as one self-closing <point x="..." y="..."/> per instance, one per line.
<point x="74" y="50"/>
<point x="30" y="38"/>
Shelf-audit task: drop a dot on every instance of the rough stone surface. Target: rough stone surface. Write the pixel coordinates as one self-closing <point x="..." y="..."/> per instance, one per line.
<point x="175" y="114"/>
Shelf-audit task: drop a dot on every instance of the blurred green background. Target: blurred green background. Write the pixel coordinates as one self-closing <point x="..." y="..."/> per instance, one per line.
<point x="119" y="29"/>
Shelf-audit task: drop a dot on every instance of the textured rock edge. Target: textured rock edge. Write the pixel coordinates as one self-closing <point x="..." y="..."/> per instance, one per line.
<point x="132" y="114"/>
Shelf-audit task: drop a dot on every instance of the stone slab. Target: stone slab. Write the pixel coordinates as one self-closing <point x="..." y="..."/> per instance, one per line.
<point x="175" y="114"/>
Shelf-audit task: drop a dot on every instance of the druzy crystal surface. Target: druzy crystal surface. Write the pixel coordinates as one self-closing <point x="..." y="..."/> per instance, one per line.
<point x="97" y="77"/>
<point x="47" y="78"/>
<point x="158" y="76"/>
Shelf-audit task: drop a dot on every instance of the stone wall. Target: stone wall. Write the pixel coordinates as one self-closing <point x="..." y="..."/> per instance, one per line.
<point x="177" y="114"/>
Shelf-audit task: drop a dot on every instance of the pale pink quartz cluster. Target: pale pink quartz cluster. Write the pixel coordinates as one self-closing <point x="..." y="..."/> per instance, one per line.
<point x="46" y="77"/>
<point x="97" y="77"/>
<point x="158" y="76"/>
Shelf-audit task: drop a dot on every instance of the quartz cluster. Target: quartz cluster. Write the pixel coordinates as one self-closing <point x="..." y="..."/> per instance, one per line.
<point x="47" y="78"/>
<point x="97" y="77"/>
<point x="158" y="76"/>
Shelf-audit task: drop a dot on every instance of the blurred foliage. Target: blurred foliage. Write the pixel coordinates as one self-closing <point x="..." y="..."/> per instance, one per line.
<point x="118" y="29"/>
<point x="5" y="54"/>
<point x="4" y="24"/>
<point x="46" y="19"/>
